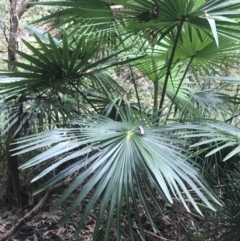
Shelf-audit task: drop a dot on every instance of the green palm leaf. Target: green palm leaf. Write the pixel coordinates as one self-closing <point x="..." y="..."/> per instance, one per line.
<point x="111" y="158"/>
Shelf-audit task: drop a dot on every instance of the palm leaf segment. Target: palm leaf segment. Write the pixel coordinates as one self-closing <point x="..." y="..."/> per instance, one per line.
<point x="218" y="136"/>
<point x="116" y="162"/>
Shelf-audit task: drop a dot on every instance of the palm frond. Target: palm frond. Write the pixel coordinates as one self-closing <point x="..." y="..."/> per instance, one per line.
<point x="219" y="135"/>
<point x="111" y="158"/>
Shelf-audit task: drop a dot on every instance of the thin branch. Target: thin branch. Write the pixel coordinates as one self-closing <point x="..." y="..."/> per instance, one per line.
<point x="152" y="234"/>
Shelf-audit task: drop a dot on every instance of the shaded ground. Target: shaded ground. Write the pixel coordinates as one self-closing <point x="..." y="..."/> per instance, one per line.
<point x="177" y="225"/>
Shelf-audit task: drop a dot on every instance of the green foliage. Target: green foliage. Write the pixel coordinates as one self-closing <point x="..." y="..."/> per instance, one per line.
<point x="135" y="152"/>
<point x="113" y="157"/>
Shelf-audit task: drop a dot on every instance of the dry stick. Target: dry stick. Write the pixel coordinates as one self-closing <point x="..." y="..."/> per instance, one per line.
<point x="153" y="234"/>
<point x="36" y="209"/>
<point x="146" y="231"/>
<point x="140" y="235"/>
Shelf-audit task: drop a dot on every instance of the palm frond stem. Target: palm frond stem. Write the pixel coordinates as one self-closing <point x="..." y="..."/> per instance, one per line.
<point x="135" y="87"/>
<point x="156" y="90"/>
<point x="179" y="86"/>
<point x="169" y="65"/>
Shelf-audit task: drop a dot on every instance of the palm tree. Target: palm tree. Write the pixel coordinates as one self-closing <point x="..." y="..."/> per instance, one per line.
<point x="121" y="152"/>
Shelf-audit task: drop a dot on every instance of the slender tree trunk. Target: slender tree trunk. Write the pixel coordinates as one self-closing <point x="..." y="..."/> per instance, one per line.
<point x="12" y="196"/>
<point x="12" y="41"/>
<point x="17" y="9"/>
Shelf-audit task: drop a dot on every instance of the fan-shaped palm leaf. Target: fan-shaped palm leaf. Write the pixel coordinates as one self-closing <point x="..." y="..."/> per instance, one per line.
<point x="54" y="66"/>
<point x="157" y="17"/>
<point x="111" y="159"/>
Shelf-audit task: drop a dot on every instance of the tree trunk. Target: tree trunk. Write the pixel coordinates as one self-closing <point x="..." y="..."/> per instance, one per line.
<point x="12" y="41"/>
<point x="12" y="195"/>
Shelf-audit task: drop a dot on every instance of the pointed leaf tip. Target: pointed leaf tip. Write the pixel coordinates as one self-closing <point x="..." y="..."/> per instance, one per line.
<point x="213" y="27"/>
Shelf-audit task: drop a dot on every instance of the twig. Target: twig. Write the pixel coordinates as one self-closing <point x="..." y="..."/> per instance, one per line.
<point x="146" y="231"/>
<point x="153" y="234"/>
<point x="137" y="229"/>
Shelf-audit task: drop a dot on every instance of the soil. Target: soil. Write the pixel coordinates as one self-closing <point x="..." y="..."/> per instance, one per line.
<point x="176" y="225"/>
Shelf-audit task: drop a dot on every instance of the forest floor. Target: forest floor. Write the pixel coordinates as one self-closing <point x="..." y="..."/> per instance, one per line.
<point x="177" y="224"/>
